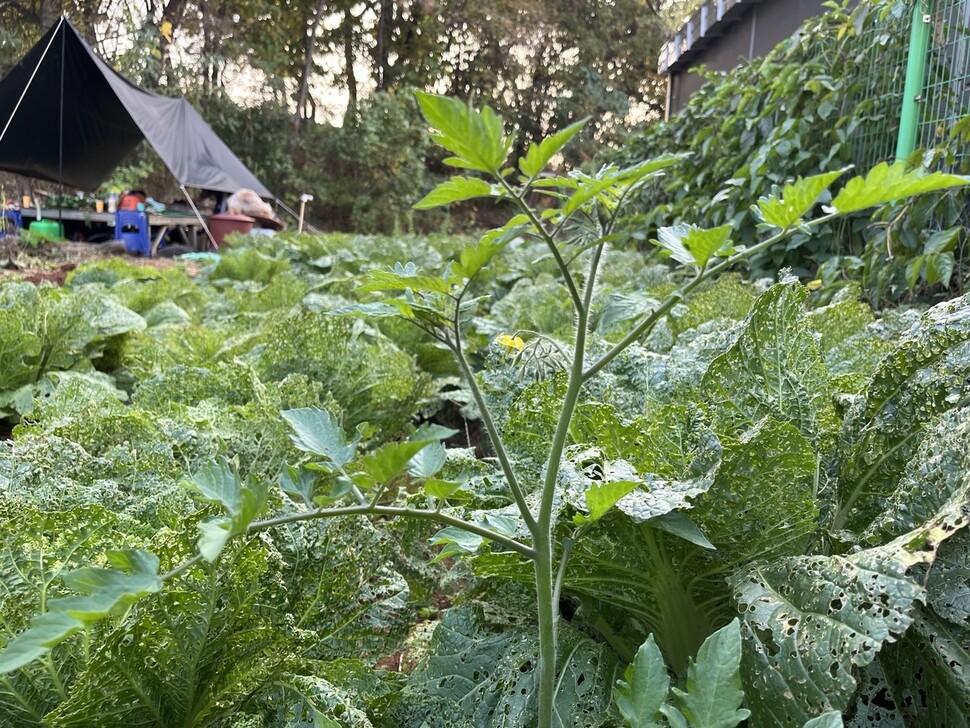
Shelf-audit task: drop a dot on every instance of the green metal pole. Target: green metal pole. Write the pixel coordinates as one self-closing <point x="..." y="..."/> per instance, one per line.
<point x="919" y="43"/>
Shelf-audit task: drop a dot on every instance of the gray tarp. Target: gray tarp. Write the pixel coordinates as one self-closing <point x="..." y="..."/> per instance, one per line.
<point x="103" y="117"/>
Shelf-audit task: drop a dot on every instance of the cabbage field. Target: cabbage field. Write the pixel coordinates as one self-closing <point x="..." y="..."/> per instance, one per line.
<point x="538" y="477"/>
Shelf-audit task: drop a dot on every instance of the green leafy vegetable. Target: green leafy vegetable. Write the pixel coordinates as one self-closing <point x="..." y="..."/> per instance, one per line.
<point x="775" y="368"/>
<point x="482" y="674"/>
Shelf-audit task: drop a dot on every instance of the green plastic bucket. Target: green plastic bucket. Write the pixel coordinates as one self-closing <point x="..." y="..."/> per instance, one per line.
<point x="47" y="229"/>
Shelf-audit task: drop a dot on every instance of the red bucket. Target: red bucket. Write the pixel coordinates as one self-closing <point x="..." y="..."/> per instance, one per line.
<point x="222" y="224"/>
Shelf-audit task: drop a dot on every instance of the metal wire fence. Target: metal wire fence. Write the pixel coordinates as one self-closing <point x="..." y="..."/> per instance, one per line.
<point x="946" y="90"/>
<point x="867" y="50"/>
<point x="877" y="98"/>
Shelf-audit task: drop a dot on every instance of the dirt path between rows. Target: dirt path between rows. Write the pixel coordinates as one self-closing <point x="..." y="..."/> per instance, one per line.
<point x="52" y="262"/>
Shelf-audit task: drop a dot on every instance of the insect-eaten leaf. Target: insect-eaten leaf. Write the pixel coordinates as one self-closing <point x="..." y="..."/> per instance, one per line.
<point x="105" y="592"/>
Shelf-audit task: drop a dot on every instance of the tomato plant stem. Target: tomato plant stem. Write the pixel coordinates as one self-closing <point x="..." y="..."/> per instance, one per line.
<point x="548" y="605"/>
<point x="548" y="239"/>
<point x="548" y="615"/>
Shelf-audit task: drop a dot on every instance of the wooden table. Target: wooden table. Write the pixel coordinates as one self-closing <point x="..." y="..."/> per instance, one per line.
<point x="158" y="222"/>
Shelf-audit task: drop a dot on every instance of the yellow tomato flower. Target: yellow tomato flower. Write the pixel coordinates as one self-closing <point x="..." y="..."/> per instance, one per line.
<point x="511" y="343"/>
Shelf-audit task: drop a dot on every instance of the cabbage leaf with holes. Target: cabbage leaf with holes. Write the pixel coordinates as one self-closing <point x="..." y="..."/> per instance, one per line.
<point x="824" y="522"/>
<point x="483" y="674"/>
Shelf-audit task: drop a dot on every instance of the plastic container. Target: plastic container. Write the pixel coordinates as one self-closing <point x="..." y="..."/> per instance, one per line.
<point x="11" y="222"/>
<point x="47" y="229"/>
<point x="222" y="224"/>
<point x="131" y="201"/>
<point x="131" y="226"/>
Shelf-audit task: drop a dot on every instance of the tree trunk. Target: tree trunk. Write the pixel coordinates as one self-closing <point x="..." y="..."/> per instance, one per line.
<point x="47" y="13"/>
<point x="309" y="49"/>
<point x="530" y="110"/>
<point x="171" y="17"/>
<point x="351" y="115"/>
<point x="385" y="23"/>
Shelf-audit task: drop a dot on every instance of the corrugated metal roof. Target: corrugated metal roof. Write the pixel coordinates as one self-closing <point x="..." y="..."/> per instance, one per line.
<point x="708" y="22"/>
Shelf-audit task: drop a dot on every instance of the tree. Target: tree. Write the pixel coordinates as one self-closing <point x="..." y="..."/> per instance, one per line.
<point x="543" y="66"/>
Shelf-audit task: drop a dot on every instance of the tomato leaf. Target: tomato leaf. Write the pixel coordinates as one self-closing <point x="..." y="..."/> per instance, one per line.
<point x="455" y="190"/>
<point x="797" y="198"/>
<point x="886" y="183"/>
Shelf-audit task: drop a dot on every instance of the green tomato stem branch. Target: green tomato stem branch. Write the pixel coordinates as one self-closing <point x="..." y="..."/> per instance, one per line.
<point x="594" y="264"/>
<point x="549" y="241"/>
<point x="354" y="490"/>
<point x="645" y="326"/>
<point x="181" y="568"/>
<point x="494" y="435"/>
<point x="567" y="548"/>
<point x="546" y="596"/>
<point x="396" y="512"/>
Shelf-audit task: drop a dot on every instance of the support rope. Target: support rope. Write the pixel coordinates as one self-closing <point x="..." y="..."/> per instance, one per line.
<point x="29" y="81"/>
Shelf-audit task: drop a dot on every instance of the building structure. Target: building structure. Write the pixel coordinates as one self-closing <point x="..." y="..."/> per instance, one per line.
<point x="721" y="34"/>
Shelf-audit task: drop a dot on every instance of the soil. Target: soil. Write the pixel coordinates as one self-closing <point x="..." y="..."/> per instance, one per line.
<point x="51" y="262"/>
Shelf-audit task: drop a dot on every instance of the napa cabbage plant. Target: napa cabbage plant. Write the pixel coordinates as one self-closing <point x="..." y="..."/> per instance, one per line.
<point x="48" y="335"/>
<point x="756" y="503"/>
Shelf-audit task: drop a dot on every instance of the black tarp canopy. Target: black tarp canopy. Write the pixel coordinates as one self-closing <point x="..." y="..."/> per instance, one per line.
<point x="68" y="117"/>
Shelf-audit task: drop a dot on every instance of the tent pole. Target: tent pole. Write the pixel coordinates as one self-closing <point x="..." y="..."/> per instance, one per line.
<point x="60" y="147"/>
<point x="30" y="81"/>
<point x="188" y="197"/>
